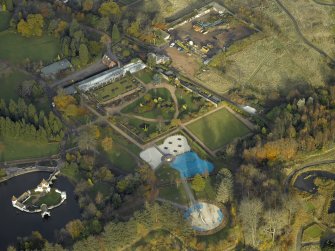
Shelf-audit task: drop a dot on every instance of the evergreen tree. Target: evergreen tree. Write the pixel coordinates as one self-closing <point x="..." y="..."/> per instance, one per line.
<point x="116" y="34"/>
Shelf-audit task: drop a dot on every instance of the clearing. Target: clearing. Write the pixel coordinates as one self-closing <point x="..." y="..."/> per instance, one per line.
<point x="15" y="149"/>
<point x="16" y="52"/>
<point x="10" y="82"/>
<point x="187" y="64"/>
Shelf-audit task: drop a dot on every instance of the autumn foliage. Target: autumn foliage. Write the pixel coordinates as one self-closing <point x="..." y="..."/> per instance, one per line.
<point x="282" y="149"/>
<point x="68" y="105"/>
<point x="33" y="26"/>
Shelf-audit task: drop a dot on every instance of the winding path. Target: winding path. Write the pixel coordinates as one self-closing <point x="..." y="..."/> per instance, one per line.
<point x="323" y="3"/>
<point x="301" y="35"/>
<point x="288" y="179"/>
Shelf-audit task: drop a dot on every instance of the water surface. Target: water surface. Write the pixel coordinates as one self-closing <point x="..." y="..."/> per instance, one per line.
<point x="15" y="223"/>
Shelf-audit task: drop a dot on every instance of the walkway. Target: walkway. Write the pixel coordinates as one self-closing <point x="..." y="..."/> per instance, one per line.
<point x="322" y="3"/>
<point x="177" y="205"/>
<point x="117" y="129"/>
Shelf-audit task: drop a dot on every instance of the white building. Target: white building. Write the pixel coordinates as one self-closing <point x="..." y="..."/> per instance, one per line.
<point x="109" y="75"/>
<point x="43" y="187"/>
<point x="159" y="59"/>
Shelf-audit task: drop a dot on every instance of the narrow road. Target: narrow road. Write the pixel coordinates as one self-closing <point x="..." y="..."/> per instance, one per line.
<point x="301" y="35"/>
<point x="84" y="73"/>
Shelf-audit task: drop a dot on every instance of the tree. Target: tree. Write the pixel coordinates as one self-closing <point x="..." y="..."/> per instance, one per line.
<point x="134" y="29"/>
<point x="105" y="39"/>
<point x="103" y="24"/>
<point x="274" y="220"/>
<point x="88" y="5"/>
<point x="157" y="78"/>
<point x="32" y="27"/>
<point x="198" y="183"/>
<point x="175" y="122"/>
<point x="104" y="174"/>
<point x="9" y="5"/>
<point x="116" y="34"/>
<point x="151" y="61"/>
<point x="75" y="228"/>
<point x="225" y="191"/>
<point x="110" y="9"/>
<point x="250" y="211"/>
<point x="84" y="55"/>
<point x="107" y="143"/>
<point x="86" y="141"/>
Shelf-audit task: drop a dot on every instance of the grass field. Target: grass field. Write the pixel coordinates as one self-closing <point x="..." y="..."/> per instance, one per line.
<point x="218" y="129"/>
<point x="122" y="159"/>
<point x="115" y="89"/>
<point x="49" y="199"/>
<point x="9" y="83"/>
<point x="4" y="20"/>
<point x="19" y="48"/>
<point x="312" y="233"/>
<point x="169" y="190"/>
<point x="268" y="62"/>
<point x="146" y="75"/>
<point x="14" y="149"/>
<point x="208" y="193"/>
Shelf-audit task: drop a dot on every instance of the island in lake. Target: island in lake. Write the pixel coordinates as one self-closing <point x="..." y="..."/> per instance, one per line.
<point x="42" y="199"/>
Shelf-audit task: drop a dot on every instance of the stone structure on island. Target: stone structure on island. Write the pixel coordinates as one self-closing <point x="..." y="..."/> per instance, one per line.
<point x="29" y="200"/>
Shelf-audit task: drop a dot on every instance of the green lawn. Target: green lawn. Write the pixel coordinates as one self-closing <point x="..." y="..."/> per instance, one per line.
<point x="122" y="159"/>
<point x="146" y="75"/>
<point x="168" y="189"/>
<point x="9" y="84"/>
<point x="16" y="48"/>
<point x="4" y="20"/>
<point x="218" y="129"/>
<point x="13" y="149"/>
<point x="49" y="199"/>
<point x="115" y="89"/>
<point x="312" y="233"/>
<point x="208" y="193"/>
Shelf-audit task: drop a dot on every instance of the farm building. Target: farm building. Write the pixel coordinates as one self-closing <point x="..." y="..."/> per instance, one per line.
<point x="52" y="70"/>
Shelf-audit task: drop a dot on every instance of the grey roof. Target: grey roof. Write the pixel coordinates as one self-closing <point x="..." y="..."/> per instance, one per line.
<point x="56" y="67"/>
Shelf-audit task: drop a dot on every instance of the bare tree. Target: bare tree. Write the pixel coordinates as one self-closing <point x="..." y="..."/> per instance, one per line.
<point x="250" y="213"/>
<point x="87" y="141"/>
<point x="275" y="220"/>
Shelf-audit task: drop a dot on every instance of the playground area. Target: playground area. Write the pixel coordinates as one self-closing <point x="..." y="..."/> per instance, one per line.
<point x="204" y="217"/>
<point x="189" y="164"/>
<point x="174" y="155"/>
